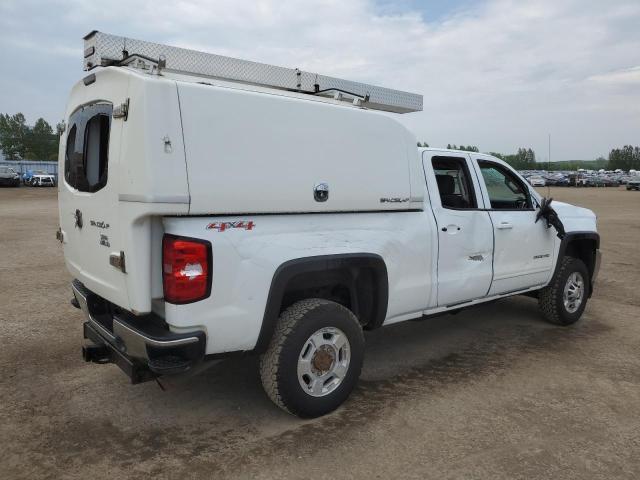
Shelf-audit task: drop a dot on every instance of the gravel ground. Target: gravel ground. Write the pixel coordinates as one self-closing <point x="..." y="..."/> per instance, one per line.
<point x="489" y="393"/>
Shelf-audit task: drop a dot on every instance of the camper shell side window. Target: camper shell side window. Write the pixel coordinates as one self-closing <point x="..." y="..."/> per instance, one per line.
<point x="87" y="154"/>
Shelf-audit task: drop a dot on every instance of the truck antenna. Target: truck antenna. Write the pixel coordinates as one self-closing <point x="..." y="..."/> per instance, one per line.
<point x="549" y="165"/>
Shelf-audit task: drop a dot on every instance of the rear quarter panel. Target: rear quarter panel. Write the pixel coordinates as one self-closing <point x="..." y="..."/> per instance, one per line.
<point x="244" y="262"/>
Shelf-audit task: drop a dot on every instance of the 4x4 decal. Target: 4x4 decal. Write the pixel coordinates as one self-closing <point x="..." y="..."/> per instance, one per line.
<point x="222" y="226"/>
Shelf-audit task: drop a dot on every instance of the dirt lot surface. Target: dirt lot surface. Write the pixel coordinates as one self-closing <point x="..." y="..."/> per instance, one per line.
<point x="489" y="393"/>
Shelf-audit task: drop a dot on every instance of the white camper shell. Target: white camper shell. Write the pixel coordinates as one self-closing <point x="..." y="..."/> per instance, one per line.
<point x="201" y="149"/>
<point x="212" y="206"/>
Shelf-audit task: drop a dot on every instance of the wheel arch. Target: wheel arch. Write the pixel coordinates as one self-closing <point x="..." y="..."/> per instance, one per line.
<point x="581" y="245"/>
<point x="358" y="281"/>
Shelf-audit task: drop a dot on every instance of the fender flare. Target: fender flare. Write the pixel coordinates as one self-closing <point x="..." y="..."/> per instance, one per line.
<point x="322" y="263"/>
<point x="564" y="245"/>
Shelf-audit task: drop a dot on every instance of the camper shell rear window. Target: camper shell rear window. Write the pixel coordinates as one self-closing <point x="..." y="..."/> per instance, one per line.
<point x="87" y="154"/>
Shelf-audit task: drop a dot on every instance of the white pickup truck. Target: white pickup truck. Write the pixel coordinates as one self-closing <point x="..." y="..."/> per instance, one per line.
<point x="206" y="212"/>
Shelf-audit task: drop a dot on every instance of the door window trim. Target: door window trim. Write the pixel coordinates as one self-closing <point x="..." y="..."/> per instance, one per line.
<point x="429" y="173"/>
<point x="464" y="161"/>
<point x="499" y="166"/>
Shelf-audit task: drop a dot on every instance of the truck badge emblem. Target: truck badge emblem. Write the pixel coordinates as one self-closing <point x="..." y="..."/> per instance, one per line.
<point x="98" y="224"/>
<point x="78" y="217"/>
<point x="222" y="226"/>
<point x="321" y="192"/>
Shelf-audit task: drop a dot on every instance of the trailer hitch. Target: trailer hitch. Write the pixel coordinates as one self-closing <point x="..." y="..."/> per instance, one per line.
<point x="96" y="353"/>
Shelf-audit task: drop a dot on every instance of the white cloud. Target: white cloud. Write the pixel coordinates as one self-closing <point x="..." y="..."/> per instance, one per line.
<point x="626" y="76"/>
<point x="499" y="74"/>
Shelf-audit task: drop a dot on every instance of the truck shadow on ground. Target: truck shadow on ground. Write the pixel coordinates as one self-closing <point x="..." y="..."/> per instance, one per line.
<point x="221" y="416"/>
<point x="416" y="356"/>
<point x="410" y="359"/>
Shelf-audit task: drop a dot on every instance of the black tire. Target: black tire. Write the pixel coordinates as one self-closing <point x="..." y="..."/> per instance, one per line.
<point x="278" y="365"/>
<point x="551" y="298"/>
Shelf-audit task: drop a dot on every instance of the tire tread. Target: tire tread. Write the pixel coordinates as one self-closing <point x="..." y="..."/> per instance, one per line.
<point x="548" y="298"/>
<point x="269" y="364"/>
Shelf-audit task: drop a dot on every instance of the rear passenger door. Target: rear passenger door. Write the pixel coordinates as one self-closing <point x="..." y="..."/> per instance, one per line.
<point x="465" y="234"/>
<point x="523" y="255"/>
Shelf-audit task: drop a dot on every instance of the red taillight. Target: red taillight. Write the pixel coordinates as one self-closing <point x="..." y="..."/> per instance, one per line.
<point x="186" y="269"/>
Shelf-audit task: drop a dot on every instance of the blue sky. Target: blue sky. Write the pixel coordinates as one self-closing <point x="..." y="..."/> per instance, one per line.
<point x="498" y="74"/>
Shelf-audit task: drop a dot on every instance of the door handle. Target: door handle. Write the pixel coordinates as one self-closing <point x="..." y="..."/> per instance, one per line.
<point x="504" y="226"/>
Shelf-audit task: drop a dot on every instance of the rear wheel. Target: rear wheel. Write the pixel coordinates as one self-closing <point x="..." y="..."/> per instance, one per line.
<point x="563" y="301"/>
<point x="314" y="359"/>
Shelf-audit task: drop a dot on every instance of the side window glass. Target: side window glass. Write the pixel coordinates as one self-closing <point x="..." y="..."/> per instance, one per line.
<point x="86" y="156"/>
<point x="506" y="191"/>
<point x="454" y="183"/>
<point x="68" y="158"/>
<point x="96" y="146"/>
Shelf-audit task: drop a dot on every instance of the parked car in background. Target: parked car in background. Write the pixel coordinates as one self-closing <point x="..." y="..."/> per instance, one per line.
<point x="27" y="176"/>
<point x="633" y="184"/>
<point x="9" y="177"/>
<point x="537" y="181"/>
<point x="40" y="178"/>
<point x="558" y="180"/>
<point x="43" y="180"/>
<point x="595" y="181"/>
<point x="577" y="180"/>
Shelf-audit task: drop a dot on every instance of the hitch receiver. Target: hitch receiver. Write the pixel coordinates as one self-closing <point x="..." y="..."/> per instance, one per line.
<point x="96" y="353"/>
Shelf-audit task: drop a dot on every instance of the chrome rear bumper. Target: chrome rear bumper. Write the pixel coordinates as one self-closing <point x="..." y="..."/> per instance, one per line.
<point x="143" y="347"/>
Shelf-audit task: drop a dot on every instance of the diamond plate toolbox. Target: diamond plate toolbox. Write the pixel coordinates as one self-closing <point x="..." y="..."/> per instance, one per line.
<point x="102" y="49"/>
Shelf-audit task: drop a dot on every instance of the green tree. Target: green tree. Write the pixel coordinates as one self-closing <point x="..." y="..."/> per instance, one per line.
<point x="468" y="148"/>
<point x="625" y="158"/>
<point x="41" y="142"/>
<point x="19" y="141"/>
<point x="13" y="136"/>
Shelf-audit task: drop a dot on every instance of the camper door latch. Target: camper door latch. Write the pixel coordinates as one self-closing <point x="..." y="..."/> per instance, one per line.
<point x="117" y="260"/>
<point x="121" y="111"/>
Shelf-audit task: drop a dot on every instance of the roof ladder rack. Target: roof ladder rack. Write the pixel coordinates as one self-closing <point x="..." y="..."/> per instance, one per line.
<point x="103" y="49"/>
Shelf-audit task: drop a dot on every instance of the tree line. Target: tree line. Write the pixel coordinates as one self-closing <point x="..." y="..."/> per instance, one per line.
<point x="19" y="141"/>
<point x="625" y="158"/>
<point x="523" y="159"/>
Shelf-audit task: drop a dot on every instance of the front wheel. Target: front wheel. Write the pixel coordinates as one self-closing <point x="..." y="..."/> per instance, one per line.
<point x="314" y="359"/>
<point x="563" y="301"/>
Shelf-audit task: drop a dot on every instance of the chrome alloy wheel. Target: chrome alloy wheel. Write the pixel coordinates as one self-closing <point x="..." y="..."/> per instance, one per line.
<point x="323" y="361"/>
<point x="573" y="292"/>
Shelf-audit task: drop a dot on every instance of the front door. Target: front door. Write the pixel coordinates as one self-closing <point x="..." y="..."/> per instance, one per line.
<point x="523" y="255"/>
<point x="465" y="234"/>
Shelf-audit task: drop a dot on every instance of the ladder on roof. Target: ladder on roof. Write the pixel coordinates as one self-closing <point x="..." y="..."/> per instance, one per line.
<point x="103" y="49"/>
